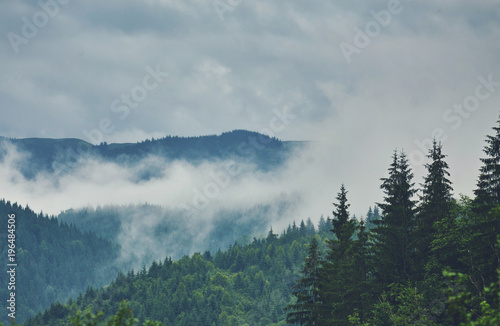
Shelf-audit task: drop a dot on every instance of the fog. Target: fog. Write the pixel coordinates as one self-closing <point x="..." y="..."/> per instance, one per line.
<point x="396" y="92"/>
<point x="197" y="195"/>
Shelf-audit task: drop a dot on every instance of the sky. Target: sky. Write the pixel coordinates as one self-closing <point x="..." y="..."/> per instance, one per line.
<point x="359" y="78"/>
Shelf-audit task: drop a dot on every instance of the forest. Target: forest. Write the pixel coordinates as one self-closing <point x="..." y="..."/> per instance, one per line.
<point x="427" y="261"/>
<point x="56" y="260"/>
<point x="88" y="247"/>
<point x="419" y="257"/>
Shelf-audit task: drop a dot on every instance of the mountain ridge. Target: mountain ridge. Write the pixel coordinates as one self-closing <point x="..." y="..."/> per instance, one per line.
<point x="62" y="154"/>
<point x="239" y="132"/>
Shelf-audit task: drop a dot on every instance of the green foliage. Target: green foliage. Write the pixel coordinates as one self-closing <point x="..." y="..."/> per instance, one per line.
<point x="86" y="318"/>
<point x="246" y="284"/>
<point x="393" y="232"/>
<point x="337" y="299"/>
<point x="462" y="306"/>
<point x="371" y="216"/>
<point x="488" y="185"/>
<point x="123" y="317"/>
<point x="436" y="204"/>
<point x="402" y="305"/>
<point x="355" y="320"/>
<point x="56" y="261"/>
<point x="305" y="311"/>
<point x="343" y="225"/>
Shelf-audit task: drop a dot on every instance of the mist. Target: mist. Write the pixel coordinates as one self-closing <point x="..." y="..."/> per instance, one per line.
<point x="189" y="202"/>
<point x="196" y="195"/>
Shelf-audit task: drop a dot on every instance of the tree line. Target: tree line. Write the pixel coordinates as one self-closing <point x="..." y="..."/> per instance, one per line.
<point x="431" y="261"/>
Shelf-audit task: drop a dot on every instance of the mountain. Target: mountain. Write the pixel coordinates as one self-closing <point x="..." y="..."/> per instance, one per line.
<point x="59" y="256"/>
<point x="61" y="155"/>
<point x="144" y="233"/>
<point x="55" y="261"/>
<point x="243" y="285"/>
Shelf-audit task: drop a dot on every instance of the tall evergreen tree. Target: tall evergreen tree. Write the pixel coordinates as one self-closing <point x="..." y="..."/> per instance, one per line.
<point x="360" y="284"/>
<point x="393" y="231"/>
<point x="336" y="272"/>
<point x="486" y="220"/>
<point x="371" y="215"/>
<point x="488" y="186"/>
<point x="306" y="309"/>
<point x="436" y="204"/>
<point x="322" y="226"/>
<point x="343" y="225"/>
<point x="311" y="230"/>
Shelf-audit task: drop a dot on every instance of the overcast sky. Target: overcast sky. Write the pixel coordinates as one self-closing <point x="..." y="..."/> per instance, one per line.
<point x="364" y="77"/>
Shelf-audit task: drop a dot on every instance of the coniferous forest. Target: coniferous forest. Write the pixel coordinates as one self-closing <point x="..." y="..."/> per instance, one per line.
<point x="250" y="163"/>
<point x="422" y="256"/>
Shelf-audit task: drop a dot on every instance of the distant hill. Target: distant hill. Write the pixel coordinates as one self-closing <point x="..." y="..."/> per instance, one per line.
<point x="56" y="155"/>
<point x="172" y="232"/>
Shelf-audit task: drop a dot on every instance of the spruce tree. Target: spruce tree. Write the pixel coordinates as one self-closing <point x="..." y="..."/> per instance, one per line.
<point x="337" y="303"/>
<point x="311" y="230"/>
<point x="360" y="285"/>
<point x="393" y="231"/>
<point x="322" y="226"/>
<point x="306" y="309"/>
<point x="372" y="215"/>
<point x="343" y="225"/>
<point x="436" y="204"/>
<point x="486" y="221"/>
<point x="369" y="215"/>
<point x="488" y="185"/>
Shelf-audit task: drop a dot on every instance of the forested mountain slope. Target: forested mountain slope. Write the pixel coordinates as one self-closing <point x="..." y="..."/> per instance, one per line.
<point x="55" y="261"/>
<point x="147" y="232"/>
<point x="430" y="259"/>
<point x="244" y="285"/>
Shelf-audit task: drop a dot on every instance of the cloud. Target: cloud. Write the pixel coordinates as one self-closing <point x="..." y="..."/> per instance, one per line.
<point x="231" y="74"/>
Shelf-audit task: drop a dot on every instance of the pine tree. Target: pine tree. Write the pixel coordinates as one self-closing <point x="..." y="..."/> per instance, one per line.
<point x="322" y="227"/>
<point x="486" y="220"/>
<point x="392" y="233"/>
<point x="310" y="227"/>
<point x="371" y="216"/>
<point x="436" y="204"/>
<point x="360" y="284"/>
<point x="488" y="186"/>
<point x="337" y="303"/>
<point x="302" y="229"/>
<point x="343" y="225"/>
<point x="306" y="309"/>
